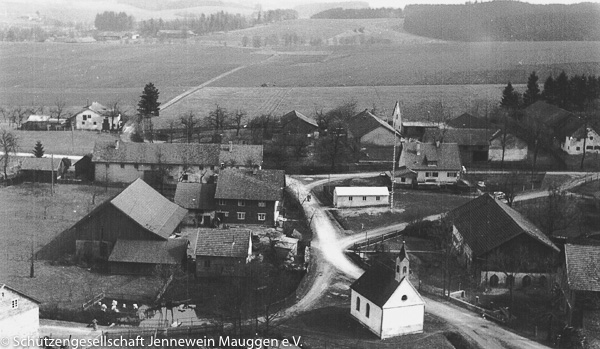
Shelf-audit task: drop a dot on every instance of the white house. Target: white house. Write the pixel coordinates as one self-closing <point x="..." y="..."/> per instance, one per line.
<point x="428" y="164"/>
<point x="386" y="303"/>
<point x="360" y="196"/>
<point x="574" y="141"/>
<point x="19" y="314"/>
<point x="96" y="117"/>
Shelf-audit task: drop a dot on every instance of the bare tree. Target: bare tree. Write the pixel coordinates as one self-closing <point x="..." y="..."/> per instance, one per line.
<point x="6" y="113"/>
<point x="8" y="144"/>
<point x="18" y="115"/>
<point x="218" y="119"/>
<point x="238" y="117"/>
<point x="189" y="121"/>
<point x="58" y="109"/>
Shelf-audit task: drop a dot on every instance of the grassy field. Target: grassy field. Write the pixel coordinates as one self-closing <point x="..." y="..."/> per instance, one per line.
<point x="61" y="142"/>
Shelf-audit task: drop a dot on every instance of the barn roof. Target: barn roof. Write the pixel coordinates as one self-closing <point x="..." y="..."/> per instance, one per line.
<point x="149" y="209"/>
<point x="241" y="154"/>
<point x="467" y="120"/>
<point x="486" y="223"/>
<point x="295" y="114"/>
<point x="170" y="251"/>
<point x="223" y="242"/>
<point x="157" y="153"/>
<point x="362" y="191"/>
<point x="5" y="286"/>
<point x="195" y="196"/>
<point x="583" y="267"/>
<point x="460" y="136"/>
<point x="425" y="156"/>
<point x="40" y="164"/>
<point x="365" y="122"/>
<point x="264" y="185"/>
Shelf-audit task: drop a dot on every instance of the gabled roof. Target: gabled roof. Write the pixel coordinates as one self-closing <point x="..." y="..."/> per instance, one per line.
<point x="5" y="286"/>
<point x="416" y="156"/>
<point x="170" y="251"/>
<point x="96" y="108"/>
<point x="362" y="191"/>
<point x="583" y="267"/>
<point x="223" y="242"/>
<point x="365" y="122"/>
<point x="263" y="185"/>
<point x="195" y="196"/>
<point x="38" y="118"/>
<point x="149" y="209"/>
<point x="40" y="164"/>
<point x="297" y="115"/>
<point x="157" y="153"/>
<point x="460" y="136"/>
<point x="241" y="155"/>
<point x="486" y="223"/>
<point x="378" y="284"/>
<point x="467" y="120"/>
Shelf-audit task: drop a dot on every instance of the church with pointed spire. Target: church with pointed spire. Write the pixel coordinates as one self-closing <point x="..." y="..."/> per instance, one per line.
<point x="385" y="301"/>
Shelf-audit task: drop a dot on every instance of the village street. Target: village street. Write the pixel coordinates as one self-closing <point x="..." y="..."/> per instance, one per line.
<point x="328" y="252"/>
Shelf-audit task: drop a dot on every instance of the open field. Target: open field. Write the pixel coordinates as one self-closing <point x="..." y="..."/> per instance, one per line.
<point x="277" y="101"/>
<point x="61" y="142"/>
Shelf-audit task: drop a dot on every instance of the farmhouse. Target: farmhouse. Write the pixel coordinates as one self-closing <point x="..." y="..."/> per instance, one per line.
<point x="485" y="227"/>
<point x="428" y="164"/>
<point x="507" y="147"/>
<point x="579" y="280"/>
<point x="222" y="252"/>
<point x="96" y="117"/>
<point x="385" y="302"/>
<point x="360" y="196"/>
<point x="472" y="143"/>
<point x="138" y="213"/>
<point x="580" y="137"/>
<point x="199" y="200"/>
<point x="372" y="136"/>
<point x="119" y="162"/>
<point x="43" y="123"/>
<point x="295" y="122"/>
<point x="558" y="121"/>
<point x="249" y="196"/>
<point x="19" y="314"/>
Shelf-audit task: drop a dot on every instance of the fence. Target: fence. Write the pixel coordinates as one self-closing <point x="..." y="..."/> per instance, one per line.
<point x="379" y="239"/>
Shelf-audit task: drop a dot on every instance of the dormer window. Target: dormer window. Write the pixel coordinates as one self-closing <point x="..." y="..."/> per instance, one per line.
<point x="431" y="163"/>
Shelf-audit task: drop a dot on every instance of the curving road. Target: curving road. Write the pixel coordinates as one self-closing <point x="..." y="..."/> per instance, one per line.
<point x="328" y="252"/>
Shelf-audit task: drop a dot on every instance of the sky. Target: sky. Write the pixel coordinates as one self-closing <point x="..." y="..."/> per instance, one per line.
<point x="402" y="3"/>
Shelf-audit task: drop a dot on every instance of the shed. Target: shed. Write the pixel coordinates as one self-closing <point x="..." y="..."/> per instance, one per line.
<point x="360" y="196"/>
<point x="222" y="252"/>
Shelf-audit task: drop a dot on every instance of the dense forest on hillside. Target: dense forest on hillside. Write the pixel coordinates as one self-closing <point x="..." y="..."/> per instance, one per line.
<point x="340" y="13"/>
<point x="505" y="21"/>
<point x="109" y="20"/>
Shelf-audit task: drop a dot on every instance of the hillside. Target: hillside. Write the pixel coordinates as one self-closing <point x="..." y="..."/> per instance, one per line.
<point x="307" y="10"/>
<point x="505" y="21"/>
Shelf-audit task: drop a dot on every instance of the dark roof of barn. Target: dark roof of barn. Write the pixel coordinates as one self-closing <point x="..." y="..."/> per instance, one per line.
<point x="467" y="120"/>
<point x="195" y="196"/>
<point x="171" y="251"/>
<point x="447" y="156"/>
<point x="157" y="153"/>
<point x="365" y="122"/>
<point x="460" y="136"/>
<point x="40" y="164"/>
<point x="264" y="185"/>
<point x="297" y="115"/>
<point x="223" y="242"/>
<point x="377" y="284"/>
<point x="486" y="223"/>
<point x="583" y="267"/>
<point x="149" y="208"/>
<point x="552" y="115"/>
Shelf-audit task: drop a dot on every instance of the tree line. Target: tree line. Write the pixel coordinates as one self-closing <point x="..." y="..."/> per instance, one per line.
<point x="504" y="21"/>
<point x="363" y="13"/>
<point x="112" y="21"/>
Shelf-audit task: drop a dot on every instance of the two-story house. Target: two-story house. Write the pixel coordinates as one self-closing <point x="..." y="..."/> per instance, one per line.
<point x="249" y="196"/>
<point x="428" y="164"/>
<point x="96" y="117"/>
<point x="19" y="314"/>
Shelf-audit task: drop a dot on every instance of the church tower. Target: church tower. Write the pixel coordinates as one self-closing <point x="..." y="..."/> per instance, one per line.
<point x="402" y="264"/>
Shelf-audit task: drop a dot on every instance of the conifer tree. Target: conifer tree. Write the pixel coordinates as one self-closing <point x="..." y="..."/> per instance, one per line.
<point x="510" y="97"/>
<point x="532" y="94"/>
<point x="38" y="150"/>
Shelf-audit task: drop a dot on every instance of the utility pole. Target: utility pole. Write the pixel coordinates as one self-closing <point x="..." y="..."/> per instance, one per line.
<point x="52" y="174"/>
<point x="396" y="115"/>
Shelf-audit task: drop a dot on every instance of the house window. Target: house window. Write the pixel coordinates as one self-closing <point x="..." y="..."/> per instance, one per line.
<point x="14" y="304"/>
<point x="222" y="202"/>
<point x="95" y="123"/>
<point x="262" y="204"/>
<point x="591" y="138"/>
<point x="402" y="180"/>
<point x="136" y="166"/>
<point x="434" y="174"/>
<point x="589" y="147"/>
<point x="404" y="297"/>
<point x="364" y="198"/>
<point x="451" y="174"/>
<point x="377" y="198"/>
<point x="207" y="263"/>
<point x="201" y="168"/>
<point x="122" y="165"/>
<point x="262" y="216"/>
<point x="84" y="118"/>
<point x="404" y="270"/>
<point x="427" y="174"/>
<point x="241" y="216"/>
<point x="83" y="122"/>
<point x="241" y="203"/>
<point x="349" y="198"/>
<point x="368" y="311"/>
<point x="397" y="269"/>
<point x="578" y="148"/>
<point x="357" y="303"/>
<point x="226" y="214"/>
<point x="184" y="177"/>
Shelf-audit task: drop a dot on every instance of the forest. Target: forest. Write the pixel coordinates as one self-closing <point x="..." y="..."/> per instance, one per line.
<point x="505" y="21"/>
<point x="363" y="13"/>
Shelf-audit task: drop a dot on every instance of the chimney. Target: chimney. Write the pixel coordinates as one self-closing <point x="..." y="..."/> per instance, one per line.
<point x="418" y="148"/>
<point x="117" y="144"/>
<point x="230" y="146"/>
